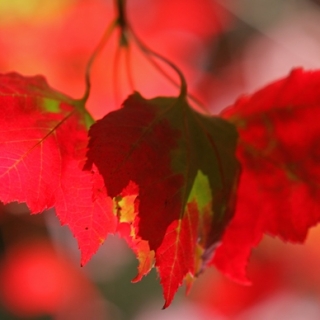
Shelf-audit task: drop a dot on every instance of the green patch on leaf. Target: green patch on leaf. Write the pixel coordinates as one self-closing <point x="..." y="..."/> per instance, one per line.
<point x="51" y="105"/>
<point x="201" y="191"/>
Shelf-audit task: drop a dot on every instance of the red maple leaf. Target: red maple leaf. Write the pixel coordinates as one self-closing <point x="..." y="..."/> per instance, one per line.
<point x="171" y="155"/>
<point x="279" y="152"/>
<point x="42" y="150"/>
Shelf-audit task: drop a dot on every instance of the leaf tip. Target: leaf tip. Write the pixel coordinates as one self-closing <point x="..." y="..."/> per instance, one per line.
<point x="166" y="304"/>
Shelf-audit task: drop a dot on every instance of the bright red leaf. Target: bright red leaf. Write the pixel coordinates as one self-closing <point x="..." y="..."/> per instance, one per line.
<point x="169" y="152"/>
<point x="42" y="150"/>
<point x="279" y="152"/>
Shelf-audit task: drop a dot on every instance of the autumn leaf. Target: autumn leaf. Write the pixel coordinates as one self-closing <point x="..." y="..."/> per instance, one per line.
<point x="126" y="205"/>
<point x="279" y="152"/>
<point x="42" y="150"/>
<point x="168" y="151"/>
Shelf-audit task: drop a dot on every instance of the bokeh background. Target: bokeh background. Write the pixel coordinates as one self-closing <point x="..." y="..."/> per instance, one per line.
<point x="225" y="48"/>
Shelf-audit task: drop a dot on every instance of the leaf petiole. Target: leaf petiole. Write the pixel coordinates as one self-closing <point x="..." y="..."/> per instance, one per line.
<point x="106" y="36"/>
<point x="147" y="51"/>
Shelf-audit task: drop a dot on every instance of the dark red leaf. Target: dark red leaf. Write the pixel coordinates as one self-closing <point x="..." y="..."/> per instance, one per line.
<point x="184" y="167"/>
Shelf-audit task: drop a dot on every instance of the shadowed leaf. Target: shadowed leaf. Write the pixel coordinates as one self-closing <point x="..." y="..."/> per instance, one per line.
<point x="162" y="146"/>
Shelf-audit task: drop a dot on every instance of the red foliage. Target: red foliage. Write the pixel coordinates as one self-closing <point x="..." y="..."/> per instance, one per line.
<point x="162" y="175"/>
<point x="149" y="155"/>
<point x="157" y="145"/>
<point x="42" y="145"/>
<point x="278" y="151"/>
